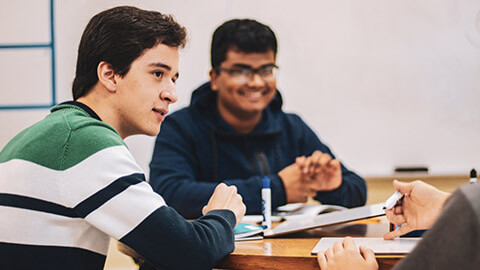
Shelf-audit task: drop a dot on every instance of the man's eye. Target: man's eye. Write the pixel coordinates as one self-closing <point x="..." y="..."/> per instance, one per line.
<point x="266" y="71"/>
<point x="240" y="72"/>
<point x="158" y="74"/>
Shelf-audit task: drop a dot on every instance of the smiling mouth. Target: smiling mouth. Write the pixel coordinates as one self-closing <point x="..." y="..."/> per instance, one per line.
<point x="253" y="94"/>
<point x="160" y="111"/>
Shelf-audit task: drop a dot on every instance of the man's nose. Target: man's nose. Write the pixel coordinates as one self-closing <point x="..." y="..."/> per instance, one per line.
<point x="169" y="94"/>
<point x="256" y="80"/>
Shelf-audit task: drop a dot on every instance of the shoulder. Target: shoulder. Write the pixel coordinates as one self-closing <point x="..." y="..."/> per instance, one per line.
<point x="292" y="117"/>
<point x="87" y="136"/>
<point x="186" y="121"/>
<point x="63" y="137"/>
<point x="295" y="122"/>
<point x="470" y="194"/>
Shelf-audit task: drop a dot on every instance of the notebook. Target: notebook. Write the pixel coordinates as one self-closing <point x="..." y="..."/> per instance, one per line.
<point x="245" y="231"/>
<point x="327" y="219"/>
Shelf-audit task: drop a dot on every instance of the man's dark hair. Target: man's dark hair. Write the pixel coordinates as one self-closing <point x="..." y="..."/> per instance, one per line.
<point x="118" y="36"/>
<point x="248" y="36"/>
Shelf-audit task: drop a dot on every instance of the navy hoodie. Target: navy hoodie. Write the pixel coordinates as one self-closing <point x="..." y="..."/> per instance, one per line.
<point x="196" y="149"/>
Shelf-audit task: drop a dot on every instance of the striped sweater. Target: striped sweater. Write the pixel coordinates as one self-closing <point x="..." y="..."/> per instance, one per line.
<point x="68" y="183"/>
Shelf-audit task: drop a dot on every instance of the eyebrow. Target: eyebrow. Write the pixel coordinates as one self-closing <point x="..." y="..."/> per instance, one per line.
<point x="250" y="67"/>
<point x="162" y="65"/>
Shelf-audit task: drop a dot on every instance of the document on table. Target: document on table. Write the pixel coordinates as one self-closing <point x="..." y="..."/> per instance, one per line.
<point x="378" y="245"/>
<point x="327" y="219"/>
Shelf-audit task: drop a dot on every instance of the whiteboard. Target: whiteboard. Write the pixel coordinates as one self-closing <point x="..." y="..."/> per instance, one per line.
<point x="383" y="83"/>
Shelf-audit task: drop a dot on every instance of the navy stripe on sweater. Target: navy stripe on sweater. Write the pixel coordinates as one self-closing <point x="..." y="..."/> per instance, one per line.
<point x="24" y="202"/>
<point x="83" y="209"/>
<point x="17" y="256"/>
<point x="102" y="196"/>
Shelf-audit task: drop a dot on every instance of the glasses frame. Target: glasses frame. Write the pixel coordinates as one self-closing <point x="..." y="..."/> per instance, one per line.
<point x="251" y="72"/>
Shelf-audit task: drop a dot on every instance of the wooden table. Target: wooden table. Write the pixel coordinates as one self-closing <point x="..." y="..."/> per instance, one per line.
<point x="293" y="251"/>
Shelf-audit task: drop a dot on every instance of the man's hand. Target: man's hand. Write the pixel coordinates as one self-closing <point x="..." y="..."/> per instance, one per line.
<point x="345" y="255"/>
<point x="419" y="209"/>
<point x="226" y="197"/>
<point x="321" y="172"/>
<point x="296" y="188"/>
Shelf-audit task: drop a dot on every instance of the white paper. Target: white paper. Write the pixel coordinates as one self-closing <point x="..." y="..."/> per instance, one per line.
<point x="378" y="245"/>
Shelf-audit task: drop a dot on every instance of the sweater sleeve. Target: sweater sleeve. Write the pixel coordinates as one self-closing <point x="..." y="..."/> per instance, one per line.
<point x="167" y="241"/>
<point x="117" y="200"/>
<point x="353" y="190"/>
<point x="452" y="243"/>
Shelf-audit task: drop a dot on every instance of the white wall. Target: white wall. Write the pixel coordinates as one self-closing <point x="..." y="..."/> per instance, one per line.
<point x="384" y="83"/>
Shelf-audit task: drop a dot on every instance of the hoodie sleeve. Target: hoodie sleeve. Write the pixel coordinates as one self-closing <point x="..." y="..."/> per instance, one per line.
<point x="175" y="167"/>
<point x="353" y="190"/>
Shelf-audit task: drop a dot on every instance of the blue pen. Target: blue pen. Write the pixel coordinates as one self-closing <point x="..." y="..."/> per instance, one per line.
<point x="266" y="203"/>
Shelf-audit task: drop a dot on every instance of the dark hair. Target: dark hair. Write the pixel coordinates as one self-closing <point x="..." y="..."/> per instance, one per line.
<point x="244" y="35"/>
<point x="118" y="36"/>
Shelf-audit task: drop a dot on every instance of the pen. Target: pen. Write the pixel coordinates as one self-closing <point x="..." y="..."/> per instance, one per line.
<point x="266" y="203"/>
<point x="473" y="176"/>
<point x="390" y="202"/>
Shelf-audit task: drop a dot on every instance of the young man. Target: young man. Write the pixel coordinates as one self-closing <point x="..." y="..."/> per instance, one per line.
<point x="452" y="241"/>
<point x="235" y="132"/>
<point x="69" y="183"/>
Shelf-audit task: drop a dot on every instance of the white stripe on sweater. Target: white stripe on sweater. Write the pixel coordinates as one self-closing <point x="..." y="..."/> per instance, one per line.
<point x="69" y="187"/>
<point x="22" y="226"/>
<point x="125" y="211"/>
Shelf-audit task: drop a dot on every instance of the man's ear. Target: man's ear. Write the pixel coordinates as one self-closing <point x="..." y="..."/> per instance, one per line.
<point x="106" y="76"/>
<point x="213" y="79"/>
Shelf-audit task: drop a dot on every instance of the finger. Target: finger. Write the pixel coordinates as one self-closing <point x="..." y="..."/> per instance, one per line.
<point x="396" y="233"/>
<point x="315" y="166"/>
<point x="300" y="161"/>
<point x="402" y="187"/>
<point x="398" y="209"/>
<point x="329" y="254"/>
<point x="324" y="160"/>
<point x="338" y="247"/>
<point x="394" y="218"/>
<point x="349" y="244"/>
<point x="221" y="185"/>
<point x="233" y="188"/>
<point x="335" y="164"/>
<point x="307" y="165"/>
<point x="368" y="255"/>
<point x="322" y="259"/>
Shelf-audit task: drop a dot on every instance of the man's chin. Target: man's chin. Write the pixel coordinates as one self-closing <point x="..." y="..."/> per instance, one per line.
<point x="152" y="132"/>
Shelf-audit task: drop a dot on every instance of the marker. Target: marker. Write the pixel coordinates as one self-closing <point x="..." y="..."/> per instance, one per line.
<point x="390" y="202"/>
<point x="473" y="176"/>
<point x="266" y="203"/>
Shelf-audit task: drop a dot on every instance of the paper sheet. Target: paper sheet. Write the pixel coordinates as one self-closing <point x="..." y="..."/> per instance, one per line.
<point x="378" y="245"/>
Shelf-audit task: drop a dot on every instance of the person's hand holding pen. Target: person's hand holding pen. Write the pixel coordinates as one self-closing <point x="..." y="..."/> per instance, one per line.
<point x="320" y="171"/>
<point x="419" y="209"/>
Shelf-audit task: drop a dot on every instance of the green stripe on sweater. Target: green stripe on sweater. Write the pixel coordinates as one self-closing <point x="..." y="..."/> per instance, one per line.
<point x="64" y="138"/>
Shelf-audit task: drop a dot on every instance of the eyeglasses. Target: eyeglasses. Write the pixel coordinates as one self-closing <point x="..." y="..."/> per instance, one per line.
<point x="245" y="74"/>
